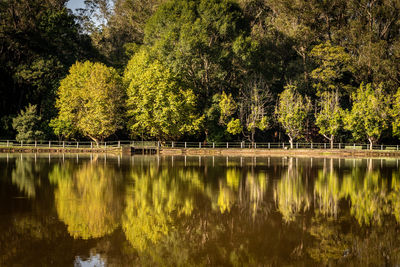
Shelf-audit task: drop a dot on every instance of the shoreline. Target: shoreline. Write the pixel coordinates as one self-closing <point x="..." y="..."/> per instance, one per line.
<point x="242" y="152"/>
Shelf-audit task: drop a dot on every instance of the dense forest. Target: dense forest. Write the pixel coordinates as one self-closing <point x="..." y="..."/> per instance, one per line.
<point x="201" y="70"/>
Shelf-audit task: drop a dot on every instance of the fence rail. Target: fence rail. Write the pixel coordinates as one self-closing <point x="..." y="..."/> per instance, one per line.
<point x="173" y="144"/>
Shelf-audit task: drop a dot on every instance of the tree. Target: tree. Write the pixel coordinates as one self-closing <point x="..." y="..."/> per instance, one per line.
<point x="201" y="41"/>
<point x="39" y="40"/>
<point x="329" y="119"/>
<point x="254" y="99"/>
<point x="291" y="111"/>
<point x="395" y="113"/>
<point x="333" y="63"/>
<point x="90" y="101"/>
<point x="122" y="26"/>
<point x="27" y="124"/>
<point x="159" y="104"/>
<point x="368" y="117"/>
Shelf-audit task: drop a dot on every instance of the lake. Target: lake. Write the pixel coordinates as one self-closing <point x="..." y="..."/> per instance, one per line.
<point x="105" y="210"/>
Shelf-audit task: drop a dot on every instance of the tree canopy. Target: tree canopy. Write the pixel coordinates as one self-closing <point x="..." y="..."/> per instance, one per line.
<point x="90" y="101"/>
<point x="229" y="60"/>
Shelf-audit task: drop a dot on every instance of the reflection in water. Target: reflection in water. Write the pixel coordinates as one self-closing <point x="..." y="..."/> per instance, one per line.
<point x="291" y="194"/>
<point x="367" y="192"/>
<point x="92" y="261"/>
<point x="154" y="197"/>
<point x="236" y="211"/>
<point x="86" y="199"/>
<point x="327" y="191"/>
<point x="26" y="176"/>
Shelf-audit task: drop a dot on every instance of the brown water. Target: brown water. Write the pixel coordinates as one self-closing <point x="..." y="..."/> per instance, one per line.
<point x="66" y="210"/>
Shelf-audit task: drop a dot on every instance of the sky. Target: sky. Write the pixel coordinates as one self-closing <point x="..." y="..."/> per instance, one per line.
<point x="74" y="4"/>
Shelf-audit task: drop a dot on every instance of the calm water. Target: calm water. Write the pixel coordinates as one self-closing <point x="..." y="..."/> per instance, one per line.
<point x="148" y="210"/>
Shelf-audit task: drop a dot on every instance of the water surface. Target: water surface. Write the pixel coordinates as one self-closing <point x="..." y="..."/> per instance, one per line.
<point x="97" y="210"/>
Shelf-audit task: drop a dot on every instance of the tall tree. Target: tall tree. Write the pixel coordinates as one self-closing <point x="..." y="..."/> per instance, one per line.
<point x="198" y="40"/>
<point x="291" y="111"/>
<point x="395" y="113"/>
<point x="368" y="117"/>
<point x="39" y="40"/>
<point x="329" y="118"/>
<point x="159" y="104"/>
<point x="27" y="124"/>
<point x="90" y="101"/>
<point x="334" y="64"/>
<point x="253" y="105"/>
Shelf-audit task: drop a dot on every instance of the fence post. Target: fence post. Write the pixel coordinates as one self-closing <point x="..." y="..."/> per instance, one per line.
<point x="49" y="144"/>
<point x="105" y="145"/>
<point x="133" y="143"/>
<point x="21" y="143"/>
<point x="297" y="145"/>
<point x="213" y="145"/>
<point x="185" y="145"/>
<point x="199" y="144"/>
<point x="91" y="144"/>
<point x="269" y="145"/>
<point x="172" y="144"/>
<point x="63" y="144"/>
<point x="241" y="144"/>
<point x="283" y="145"/>
<point x="35" y="143"/>
<point x="339" y="145"/>
<point x="354" y="146"/>
<point x="227" y="145"/>
<point x="119" y="144"/>
<point x="311" y="146"/>
<point x="255" y="145"/>
<point x="381" y="147"/>
<point x="397" y="147"/>
<point x="324" y="145"/>
<point x="8" y="143"/>
<point x="77" y="144"/>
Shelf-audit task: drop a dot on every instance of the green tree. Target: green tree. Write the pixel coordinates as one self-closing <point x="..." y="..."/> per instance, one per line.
<point x="227" y="106"/>
<point x="368" y="117"/>
<point x="39" y="40"/>
<point x="333" y="63"/>
<point x="395" y="113"/>
<point x="27" y="124"/>
<point x="159" y="104"/>
<point x="253" y="105"/>
<point x="291" y="111"/>
<point x="329" y="118"/>
<point x="201" y="41"/>
<point x="90" y="101"/>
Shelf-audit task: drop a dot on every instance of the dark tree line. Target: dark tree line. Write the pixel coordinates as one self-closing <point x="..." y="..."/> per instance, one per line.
<point x="197" y="69"/>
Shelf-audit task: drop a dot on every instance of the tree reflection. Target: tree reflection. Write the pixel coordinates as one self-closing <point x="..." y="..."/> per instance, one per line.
<point x="228" y="188"/>
<point x="327" y="191"/>
<point x="394" y="196"/>
<point x="330" y="244"/>
<point x="367" y="192"/>
<point x="291" y="193"/>
<point x="26" y="176"/>
<point x="156" y="197"/>
<point x="87" y="199"/>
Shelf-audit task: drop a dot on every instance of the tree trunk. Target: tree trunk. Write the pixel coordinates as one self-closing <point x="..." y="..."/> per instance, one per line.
<point x="371" y="143"/>
<point x="291" y="142"/>
<point x="96" y="140"/>
<point x="331" y="140"/>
